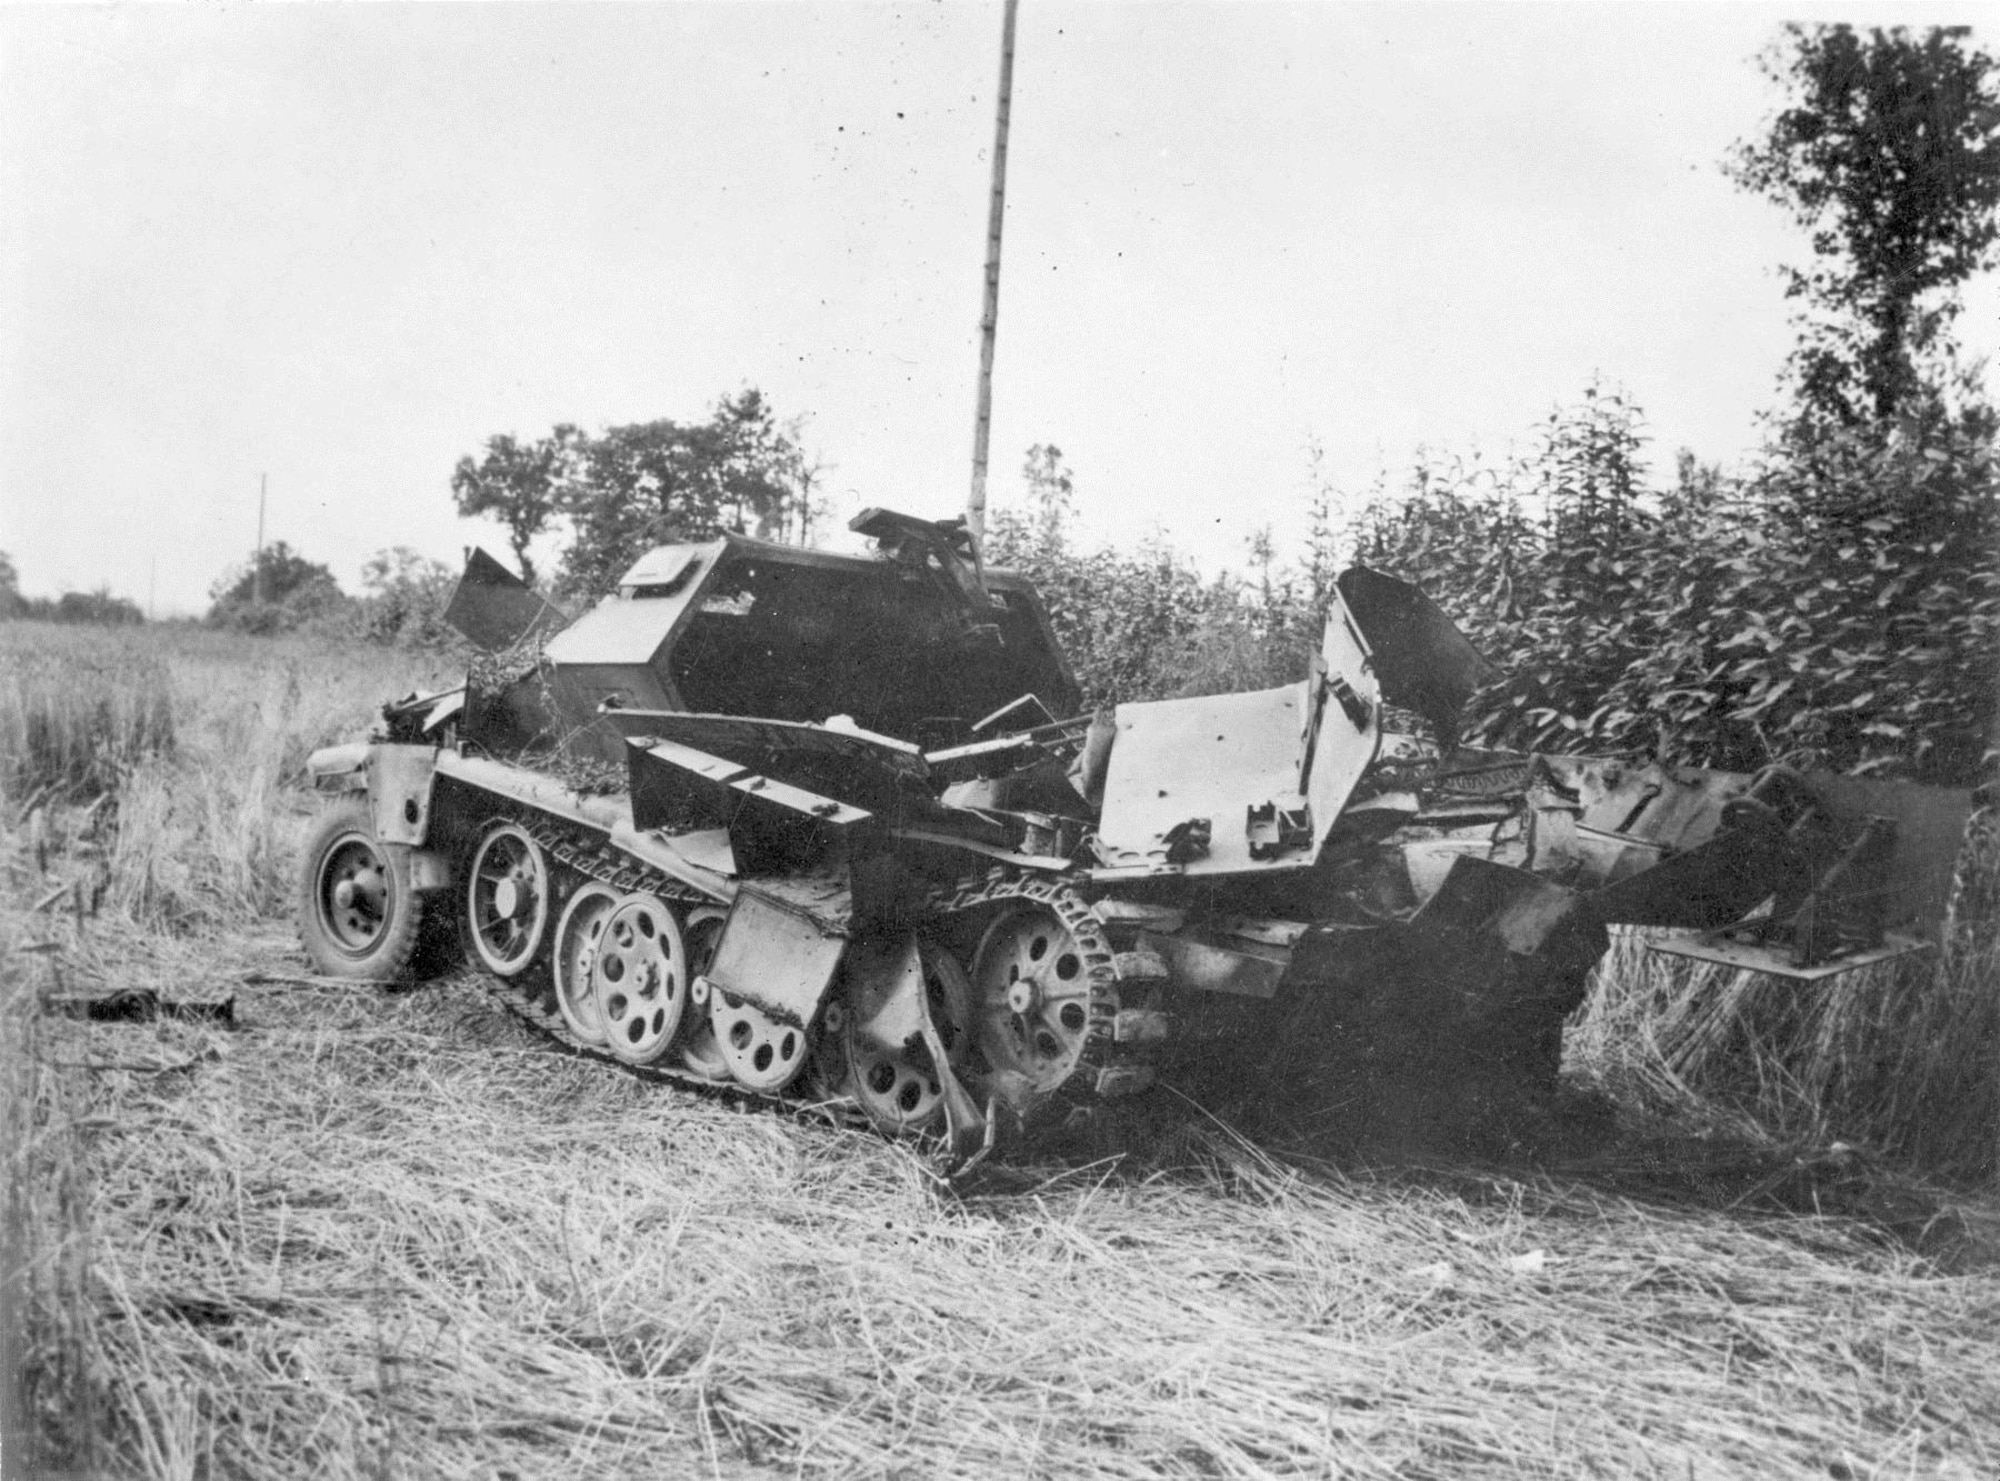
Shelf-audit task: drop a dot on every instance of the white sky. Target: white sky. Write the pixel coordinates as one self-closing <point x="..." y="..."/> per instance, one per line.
<point x="345" y="244"/>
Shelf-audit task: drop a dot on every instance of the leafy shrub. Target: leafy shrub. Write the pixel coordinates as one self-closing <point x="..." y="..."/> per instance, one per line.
<point x="276" y="591"/>
<point x="1838" y="607"/>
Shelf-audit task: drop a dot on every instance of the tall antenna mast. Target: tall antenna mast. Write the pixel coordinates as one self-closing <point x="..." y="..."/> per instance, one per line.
<point x="257" y="560"/>
<point x="975" y="503"/>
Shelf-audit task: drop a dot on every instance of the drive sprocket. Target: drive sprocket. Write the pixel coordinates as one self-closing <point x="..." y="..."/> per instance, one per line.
<point x="1050" y="992"/>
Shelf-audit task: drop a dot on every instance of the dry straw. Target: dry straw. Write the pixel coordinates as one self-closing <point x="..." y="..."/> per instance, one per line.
<point x="382" y="1233"/>
<point x="390" y="1234"/>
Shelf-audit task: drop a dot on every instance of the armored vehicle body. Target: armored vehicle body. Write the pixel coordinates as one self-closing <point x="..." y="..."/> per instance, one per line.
<point x="831" y="829"/>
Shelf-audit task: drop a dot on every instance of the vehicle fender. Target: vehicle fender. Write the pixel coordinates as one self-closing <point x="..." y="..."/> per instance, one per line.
<point x="339" y="768"/>
<point x="399" y="791"/>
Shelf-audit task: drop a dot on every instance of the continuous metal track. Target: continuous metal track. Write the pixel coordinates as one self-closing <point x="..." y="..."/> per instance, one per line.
<point x="1105" y="1067"/>
<point x="586" y="856"/>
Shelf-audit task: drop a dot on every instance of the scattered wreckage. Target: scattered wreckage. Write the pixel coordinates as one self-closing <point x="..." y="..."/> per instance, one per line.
<point x="830" y="829"/>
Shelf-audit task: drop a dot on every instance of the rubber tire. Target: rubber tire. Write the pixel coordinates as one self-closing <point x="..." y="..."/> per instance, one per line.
<point x="389" y="956"/>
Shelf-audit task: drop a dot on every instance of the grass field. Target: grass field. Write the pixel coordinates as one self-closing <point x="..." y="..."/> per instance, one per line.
<point x="386" y="1233"/>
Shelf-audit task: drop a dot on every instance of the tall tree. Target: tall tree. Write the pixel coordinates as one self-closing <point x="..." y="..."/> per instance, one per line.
<point x="1888" y="153"/>
<point x="619" y="491"/>
<point x="520" y="484"/>
<point x="294" y="589"/>
<point x="650" y="483"/>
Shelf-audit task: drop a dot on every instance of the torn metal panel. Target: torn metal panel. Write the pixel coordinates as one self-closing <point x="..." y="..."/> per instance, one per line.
<point x="1368" y="822"/>
<point x="1189" y="780"/>
<point x="497" y="610"/>
<point x="774" y="827"/>
<point x="1342" y="725"/>
<point x="1207" y="960"/>
<point x="1669" y="807"/>
<point x="1707" y="886"/>
<point x="1429" y="860"/>
<point x="868" y="771"/>
<point x="1743" y="950"/>
<point x="1517" y="908"/>
<point x="1039" y="785"/>
<point x="1423" y="661"/>
<point x="1930" y="824"/>
<point x="1179" y="761"/>
<point x="775" y="957"/>
<point x="886" y="990"/>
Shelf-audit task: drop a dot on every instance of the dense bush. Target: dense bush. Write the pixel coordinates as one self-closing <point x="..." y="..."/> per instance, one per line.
<point x="404" y="599"/>
<point x="277" y="590"/>
<point x="1837" y="606"/>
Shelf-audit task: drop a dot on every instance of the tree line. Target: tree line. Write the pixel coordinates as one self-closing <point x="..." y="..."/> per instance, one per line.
<point x="99" y="606"/>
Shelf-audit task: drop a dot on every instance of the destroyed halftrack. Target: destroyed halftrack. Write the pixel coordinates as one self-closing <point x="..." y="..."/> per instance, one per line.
<point x="832" y="829"/>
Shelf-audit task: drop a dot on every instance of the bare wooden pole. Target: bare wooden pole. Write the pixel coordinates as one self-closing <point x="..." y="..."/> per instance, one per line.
<point x="257" y="560"/>
<point x="982" y="426"/>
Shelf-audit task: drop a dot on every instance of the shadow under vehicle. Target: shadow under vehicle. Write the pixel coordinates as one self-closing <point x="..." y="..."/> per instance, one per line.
<point x="830" y="829"/>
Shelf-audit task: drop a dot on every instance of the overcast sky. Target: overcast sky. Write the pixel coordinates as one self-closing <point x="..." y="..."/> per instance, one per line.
<point x="342" y="245"/>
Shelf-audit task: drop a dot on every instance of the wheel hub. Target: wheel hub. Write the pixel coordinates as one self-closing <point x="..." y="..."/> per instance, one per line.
<point x="1033" y="983"/>
<point x="354" y="906"/>
<point x="639" y="979"/>
<point x="507" y="899"/>
<point x="578" y="936"/>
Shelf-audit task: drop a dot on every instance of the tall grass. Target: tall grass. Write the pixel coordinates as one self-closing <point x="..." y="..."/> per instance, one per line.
<point x="1902" y="1058"/>
<point x="78" y="710"/>
<point x="197" y="740"/>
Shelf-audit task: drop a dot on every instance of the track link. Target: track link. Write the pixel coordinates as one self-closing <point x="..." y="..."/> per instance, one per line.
<point x="1108" y="1066"/>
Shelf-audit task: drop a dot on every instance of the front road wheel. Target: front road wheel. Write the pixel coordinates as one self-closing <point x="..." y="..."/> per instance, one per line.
<point x="358" y="916"/>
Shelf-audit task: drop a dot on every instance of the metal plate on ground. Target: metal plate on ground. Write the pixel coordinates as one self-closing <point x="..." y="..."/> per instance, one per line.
<point x="1721" y="948"/>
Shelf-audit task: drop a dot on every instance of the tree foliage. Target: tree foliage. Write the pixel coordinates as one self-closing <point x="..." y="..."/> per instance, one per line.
<point x="1124" y="619"/>
<point x="404" y="596"/>
<point x="519" y="484"/>
<point x="616" y="493"/>
<point x="1834" y="607"/>
<point x="1888" y="154"/>
<point x="295" y="591"/>
<point x="1838" y="603"/>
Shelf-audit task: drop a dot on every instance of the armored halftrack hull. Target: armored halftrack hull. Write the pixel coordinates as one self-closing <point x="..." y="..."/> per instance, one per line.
<point x="829" y="830"/>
